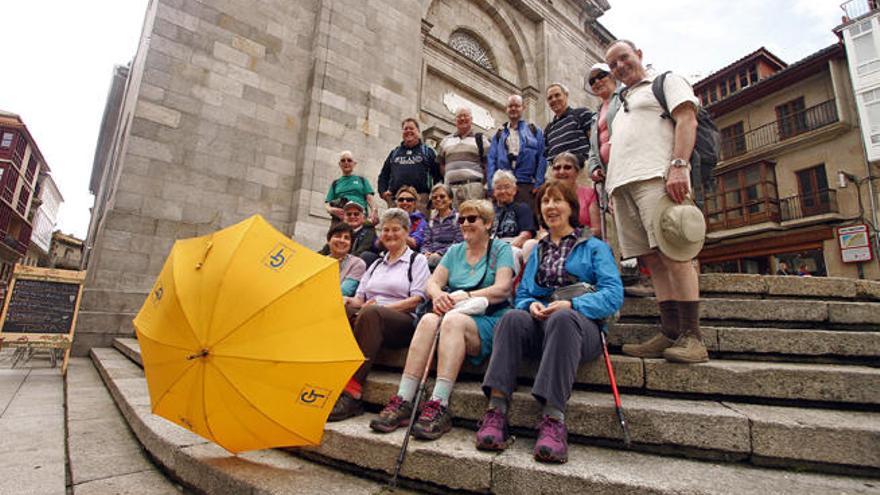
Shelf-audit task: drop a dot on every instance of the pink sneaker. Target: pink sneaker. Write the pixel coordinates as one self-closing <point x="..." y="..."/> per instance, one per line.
<point x="552" y="444"/>
<point x="493" y="433"/>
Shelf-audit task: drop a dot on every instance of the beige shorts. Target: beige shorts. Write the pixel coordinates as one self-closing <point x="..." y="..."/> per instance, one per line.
<point x="464" y="192"/>
<point x="634" y="205"/>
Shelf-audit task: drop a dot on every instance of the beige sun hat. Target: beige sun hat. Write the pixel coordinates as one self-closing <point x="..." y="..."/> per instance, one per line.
<point x="679" y="229"/>
<point x="597" y="67"/>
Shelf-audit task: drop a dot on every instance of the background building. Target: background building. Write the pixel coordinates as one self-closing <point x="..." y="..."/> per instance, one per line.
<point x="21" y="164"/>
<point x="236" y="108"/>
<point x="66" y="251"/>
<point x="44" y="213"/>
<point x="787" y="132"/>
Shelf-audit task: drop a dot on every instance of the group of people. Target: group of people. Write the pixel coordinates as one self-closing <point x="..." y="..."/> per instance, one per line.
<point x="527" y="273"/>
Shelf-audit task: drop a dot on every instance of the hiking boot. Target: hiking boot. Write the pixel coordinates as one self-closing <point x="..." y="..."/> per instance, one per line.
<point x="493" y="433"/>
<point x="395" y="414"/>
<point x="552" y="444"/>
<point x="652" y="348"/>
<point x="346" y="407"/>
<point x="433" y="422"/>
<point x="687" y="349"/>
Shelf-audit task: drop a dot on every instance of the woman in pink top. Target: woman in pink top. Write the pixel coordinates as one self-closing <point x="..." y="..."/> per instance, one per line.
<point x="565" y="169"/>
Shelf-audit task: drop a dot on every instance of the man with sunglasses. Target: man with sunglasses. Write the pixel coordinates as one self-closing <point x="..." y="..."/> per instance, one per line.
<point x="649" y="160"/>
<point x="570" y="128"/>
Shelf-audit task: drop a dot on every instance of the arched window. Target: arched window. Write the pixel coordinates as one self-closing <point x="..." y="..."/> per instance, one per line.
<point x="471" y="47"/>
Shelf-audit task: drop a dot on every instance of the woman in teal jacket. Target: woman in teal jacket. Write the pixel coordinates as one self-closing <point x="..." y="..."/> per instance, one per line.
<point x="562" y="330"/>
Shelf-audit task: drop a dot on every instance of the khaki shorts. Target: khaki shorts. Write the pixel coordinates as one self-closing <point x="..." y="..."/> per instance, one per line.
<point x="634" y="205"/>
<point x="466" y="191"/>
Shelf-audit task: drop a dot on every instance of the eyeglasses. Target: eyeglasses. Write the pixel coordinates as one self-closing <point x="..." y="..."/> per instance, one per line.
<point x="563" y="167"/>
<point x="468" y="219"/>
<point x="354" y="213"/>
<point x="346" y="160"/>
<point x="597" y="77"/>
<point x="406" y="199"/>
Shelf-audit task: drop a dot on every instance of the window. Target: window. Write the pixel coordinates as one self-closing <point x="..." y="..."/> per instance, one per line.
<point x="31" y="169"/>
<point x="723" y="90"/>
<point x="6" y="139"/>
<point x="871" y="99"/>
<point x="23" y="198"/>
<point x="791" y="118"/>
<point x="743" y="79"/>
<point x="731" y="85"/>
<point x="472" y="48"/>
<point x="9" y="185"/>
<point x="743" y="197"/>
<point x="713" y="97"/>
<point x="865" y="48"/>
<point x="813" y="191"/>
<point x="733" y="141"/>
<point x="20" y="147"/>
<point x="704" y="97"/>
<point x="753" y="74"/>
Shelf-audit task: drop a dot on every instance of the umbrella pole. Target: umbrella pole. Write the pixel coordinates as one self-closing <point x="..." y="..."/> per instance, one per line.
<point x="613" y="383"/>
<point x="416" y="401"/>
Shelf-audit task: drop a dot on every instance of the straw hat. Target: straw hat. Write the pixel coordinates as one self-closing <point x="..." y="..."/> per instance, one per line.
<point x="679" y="229"/>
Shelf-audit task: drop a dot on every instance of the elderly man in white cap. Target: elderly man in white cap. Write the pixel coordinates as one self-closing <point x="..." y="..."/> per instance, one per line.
<point x="649" y="170"/>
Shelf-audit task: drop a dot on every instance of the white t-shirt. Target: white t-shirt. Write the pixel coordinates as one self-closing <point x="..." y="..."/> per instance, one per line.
<point x="641" y="141"/>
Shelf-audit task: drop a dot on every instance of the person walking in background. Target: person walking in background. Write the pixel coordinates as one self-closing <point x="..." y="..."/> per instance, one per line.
<point x="411" y="164"/>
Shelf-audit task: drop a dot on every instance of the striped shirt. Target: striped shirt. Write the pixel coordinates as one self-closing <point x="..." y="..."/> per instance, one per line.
<point x="568" y="132"/>
<point x="461" y="157"/>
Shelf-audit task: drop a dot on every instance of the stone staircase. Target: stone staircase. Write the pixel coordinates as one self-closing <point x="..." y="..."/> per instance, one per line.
<point x="790" y="403"/>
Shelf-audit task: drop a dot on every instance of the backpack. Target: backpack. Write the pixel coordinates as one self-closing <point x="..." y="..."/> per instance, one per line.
<point x="412" y="259"/>
<point x="498" y="132"/>
<point x="705" y="154"/>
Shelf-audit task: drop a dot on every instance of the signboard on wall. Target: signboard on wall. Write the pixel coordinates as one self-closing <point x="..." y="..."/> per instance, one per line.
<point x="855" y="244"/>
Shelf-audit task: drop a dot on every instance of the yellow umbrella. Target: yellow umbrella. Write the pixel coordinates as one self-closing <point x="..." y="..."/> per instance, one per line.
<point x="244" y="338"/>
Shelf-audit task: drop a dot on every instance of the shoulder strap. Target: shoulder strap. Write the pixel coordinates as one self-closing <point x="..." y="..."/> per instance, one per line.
<point x="412" y="259"/>
<point x="479" y="138"/>
<point x="660" y="93"/>
<point x="533" y="129"/>
<point x="498" y="132"/>
<point x="333" y="186"/>
<point x="375" y="264"/>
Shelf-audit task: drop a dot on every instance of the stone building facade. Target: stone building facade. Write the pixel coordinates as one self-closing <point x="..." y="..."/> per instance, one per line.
<point x="232" y="108"/>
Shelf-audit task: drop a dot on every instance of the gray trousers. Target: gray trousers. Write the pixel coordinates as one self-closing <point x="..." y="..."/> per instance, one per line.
<point x="562" y="342"/>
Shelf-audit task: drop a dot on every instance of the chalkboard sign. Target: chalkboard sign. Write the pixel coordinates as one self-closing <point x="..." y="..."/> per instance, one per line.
<point x="40" y="309"/>
<point x="41" y="306"/>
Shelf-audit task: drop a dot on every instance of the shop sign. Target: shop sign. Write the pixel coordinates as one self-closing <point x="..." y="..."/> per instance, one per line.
<point x="855" y="244"/>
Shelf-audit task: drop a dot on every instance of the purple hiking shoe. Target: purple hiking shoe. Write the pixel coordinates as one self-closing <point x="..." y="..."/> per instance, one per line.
<point x="552" y="444"/>
<point x="493" y="433"/>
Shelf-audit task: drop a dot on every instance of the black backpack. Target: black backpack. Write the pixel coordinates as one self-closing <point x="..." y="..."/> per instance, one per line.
<point x="705" y="154"/>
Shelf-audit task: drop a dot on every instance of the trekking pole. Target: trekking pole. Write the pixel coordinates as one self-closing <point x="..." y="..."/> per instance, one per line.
<point x="613" y="383"/>
<point x="416" y="401"/>
<point x="603" y="208"/>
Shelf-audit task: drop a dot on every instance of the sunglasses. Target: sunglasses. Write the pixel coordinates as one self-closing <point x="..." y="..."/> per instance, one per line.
<point x="563" y="167"/>
<point x="597" y="77"/>
<point x="406" y="199"/>
<point x="468" y="219"/>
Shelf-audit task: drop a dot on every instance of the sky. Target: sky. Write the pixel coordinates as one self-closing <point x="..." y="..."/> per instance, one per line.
<point x="58" y="59"/>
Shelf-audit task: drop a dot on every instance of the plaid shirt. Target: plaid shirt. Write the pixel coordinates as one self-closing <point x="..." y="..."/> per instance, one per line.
<point x="551" y="267"/>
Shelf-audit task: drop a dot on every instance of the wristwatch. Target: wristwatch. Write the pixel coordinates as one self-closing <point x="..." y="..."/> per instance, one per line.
<point x="679" y="162"/>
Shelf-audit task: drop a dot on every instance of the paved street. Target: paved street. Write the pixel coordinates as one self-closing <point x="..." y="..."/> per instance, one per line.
<point x="32" y="459"/>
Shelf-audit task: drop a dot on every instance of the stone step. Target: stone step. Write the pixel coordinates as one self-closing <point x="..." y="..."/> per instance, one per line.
<point x="103" y="454"/>
<point x="780" y="382"/>
<point x="204" y="466"/>
<point x="454" y="463"/>
<point x="773" y="312"/>
<point x="796" y="344"/>
<point x="761" y="286"/>
<point x="788" y="436"/>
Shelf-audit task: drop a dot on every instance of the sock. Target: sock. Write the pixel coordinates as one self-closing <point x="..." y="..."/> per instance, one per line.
<point x="669" y="319"/>
<point x="353" y="388"/>
<point x="408" y="386"/>
<point x="553" y="412"/>
<point x="442" y="391"/>
<point x="499" y="403"/>
<point x="689" y="318"/>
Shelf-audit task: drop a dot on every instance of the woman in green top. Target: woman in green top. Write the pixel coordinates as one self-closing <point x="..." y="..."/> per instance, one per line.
<point x="474" y="273"/>
<point x="347" y="188"/>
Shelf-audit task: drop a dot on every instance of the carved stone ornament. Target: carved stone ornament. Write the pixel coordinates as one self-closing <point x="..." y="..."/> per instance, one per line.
<point x="469" y="46"/>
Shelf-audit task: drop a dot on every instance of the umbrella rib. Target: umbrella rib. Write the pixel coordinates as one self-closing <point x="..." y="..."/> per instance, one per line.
<point x="165" y="344"/>
<point x="179" y="377"/>
<point x="261" y="413"/>
<point x="302" y="361"/>
<point x="210" y="326"/>
<point x="205" y="408"/>
<point x="189" y="325"/>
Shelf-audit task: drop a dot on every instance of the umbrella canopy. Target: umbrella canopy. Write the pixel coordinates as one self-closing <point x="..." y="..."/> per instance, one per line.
<point x="245" y="340"/>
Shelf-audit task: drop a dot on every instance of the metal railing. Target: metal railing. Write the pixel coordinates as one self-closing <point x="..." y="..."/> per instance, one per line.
<point x="854" y="9"/>
<point x="808" y="205"/>
<point x="806" y="120"/>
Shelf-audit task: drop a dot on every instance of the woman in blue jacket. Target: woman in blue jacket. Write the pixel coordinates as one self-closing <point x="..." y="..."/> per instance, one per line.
<point x="550" y="322"/>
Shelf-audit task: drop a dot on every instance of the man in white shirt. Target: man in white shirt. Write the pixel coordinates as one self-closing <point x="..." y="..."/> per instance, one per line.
<point x="649" y="159"/>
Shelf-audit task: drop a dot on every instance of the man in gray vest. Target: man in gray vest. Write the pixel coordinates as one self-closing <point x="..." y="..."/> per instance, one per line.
<point x="462" y="159"/>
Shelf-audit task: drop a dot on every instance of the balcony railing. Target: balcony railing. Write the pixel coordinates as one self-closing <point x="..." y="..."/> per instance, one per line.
<point x="808" y="205"/>
<point x="792" y="125"/>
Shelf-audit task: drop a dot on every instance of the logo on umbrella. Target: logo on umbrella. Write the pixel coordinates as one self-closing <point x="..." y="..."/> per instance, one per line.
<point x="313" y="396"/>
<point x="278" y="257"/>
